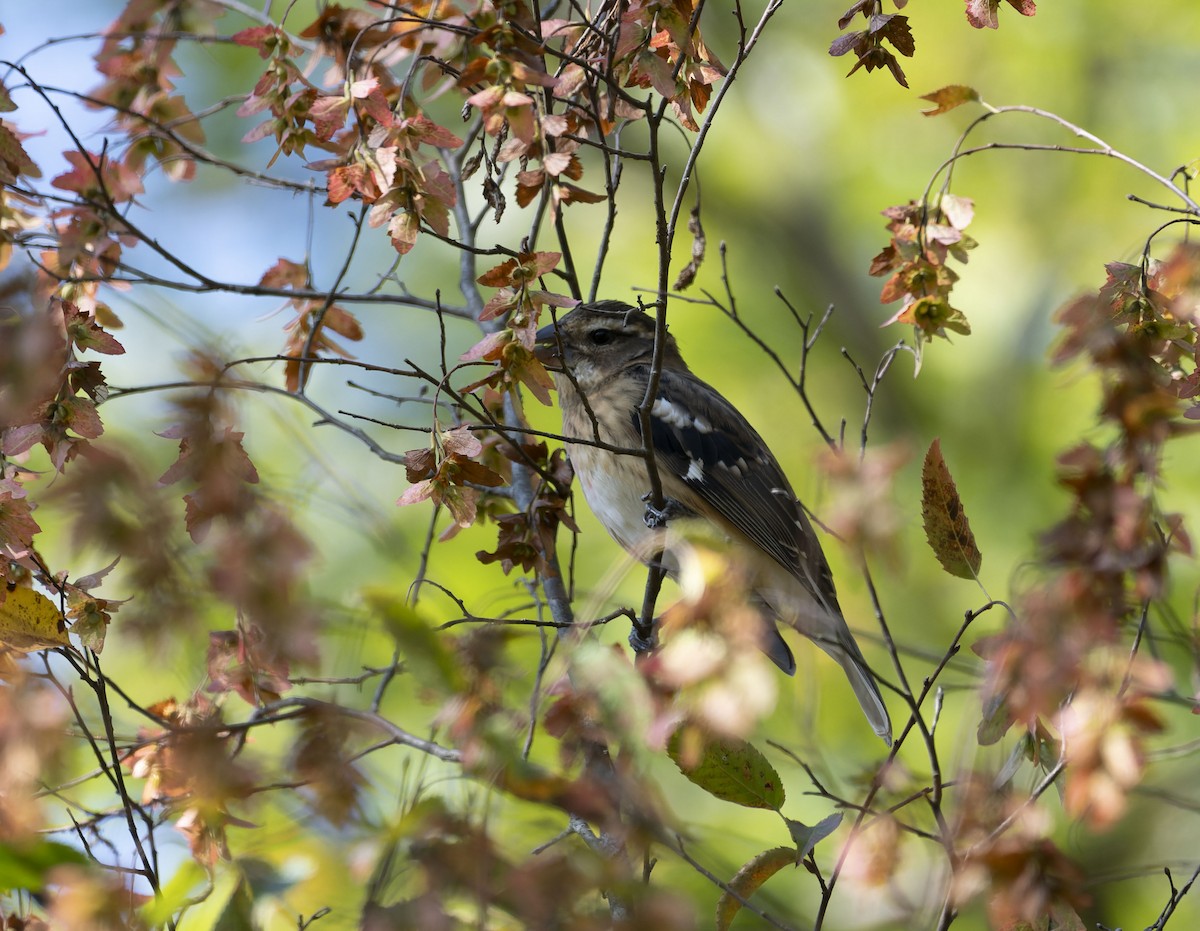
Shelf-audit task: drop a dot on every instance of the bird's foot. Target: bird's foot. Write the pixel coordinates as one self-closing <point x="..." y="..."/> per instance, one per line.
<point x="643" y="641"/>
<point x="657" y="518"/>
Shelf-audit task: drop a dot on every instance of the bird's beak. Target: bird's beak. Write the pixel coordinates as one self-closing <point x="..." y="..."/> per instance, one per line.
<point x="546" y="346"/>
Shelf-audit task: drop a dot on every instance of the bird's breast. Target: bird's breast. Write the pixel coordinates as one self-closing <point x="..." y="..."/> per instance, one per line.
<point x="613" y="487"/>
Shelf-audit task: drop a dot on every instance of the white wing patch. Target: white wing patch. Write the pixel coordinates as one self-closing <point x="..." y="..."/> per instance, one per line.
<point x="679" y="418"/>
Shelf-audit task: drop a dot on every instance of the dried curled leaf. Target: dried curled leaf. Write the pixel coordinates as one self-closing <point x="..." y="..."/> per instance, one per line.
<point x="747" y="880"/>
<point x="699" y="244"/>
<point x="946" y="525"/>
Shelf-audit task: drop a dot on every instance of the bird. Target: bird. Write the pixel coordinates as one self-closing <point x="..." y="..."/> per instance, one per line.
<point x="712" y="464"/>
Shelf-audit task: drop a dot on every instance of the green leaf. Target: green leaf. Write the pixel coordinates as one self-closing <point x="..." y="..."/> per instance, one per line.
<point x="427" y="651"/>
<point x="807" y="838"/>
<point x="995" y="723"/>
<point x="25" y="866"/>
<point x="733" y="771"/>
<point x="238" y="914"/>
<point x="183" y="887"/>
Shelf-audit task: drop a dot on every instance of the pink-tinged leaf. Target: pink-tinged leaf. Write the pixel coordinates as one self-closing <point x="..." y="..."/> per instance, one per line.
<point x="948" y="97"/>
<point x="16" y="440"/>
<point x="501" y="303"/>
<point x="570" y="81"/>
<point x="524" y="73"/>
<point x="461" y="503"/>
<point x="498" y="275"/>
<point x="533" y="375"/>
<point x="436" y="217"/>
<point x="239" y="464"/>
<point x="92" y="174"/>
<point x="85" y="333"/>
<point x="554" y="124"/>
<point x="403" y="229"/>
<point x="460" y="441"/>
<point x="421" y="491"/>
<point x="516" y="99"/>
<point x="556" y="163"/>
<point x="283" y="274"/>
<point x="544" y="262"/>
<point x="256" y="37"/>
<point x="430" y="133"/>
<point x="82" y="417"/>
<point x="553" y="28"/>
<point x="942" y="233"/>
<point x="328" y="115"/>
<point x="553" y="300"/>
<point x="487" y="98"/>
<point x="985" y="13"/>
<point x="438" y="184"/>
<point x="12" y="154"/>
<point x="376" y="106"/>
<point x="522" y="123"/>
<point x="342" y="182"/>
<point x="17" y="526"/>
<point x="488" y="348"/>
<point x="252" y="105"/>
<point x="261" y="131"/>
<point x="982" y="13"/>
<point x="958" y="210"/>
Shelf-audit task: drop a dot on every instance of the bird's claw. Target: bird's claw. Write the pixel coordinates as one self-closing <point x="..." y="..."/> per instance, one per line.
<point x="657" y="518"/>
<point x="643" y="644"/>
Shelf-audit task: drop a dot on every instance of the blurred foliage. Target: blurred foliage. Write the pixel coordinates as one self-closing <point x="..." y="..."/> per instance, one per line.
<point x="793" y="181"/>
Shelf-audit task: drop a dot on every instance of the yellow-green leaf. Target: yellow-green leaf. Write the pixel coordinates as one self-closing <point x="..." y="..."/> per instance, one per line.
<point x="29" y="621"/>
<point x="949" y="97"/>
<point x="428" y="653"/>
<point x="747" y="880"/>
<point x="733" y="771"/>
<point x="946" y="525"/>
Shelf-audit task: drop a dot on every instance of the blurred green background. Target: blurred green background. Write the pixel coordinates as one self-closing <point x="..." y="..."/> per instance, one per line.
<point x="794" y="176"/>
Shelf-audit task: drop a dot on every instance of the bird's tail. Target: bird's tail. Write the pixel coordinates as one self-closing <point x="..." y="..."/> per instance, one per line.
<point x="850" y="658"/>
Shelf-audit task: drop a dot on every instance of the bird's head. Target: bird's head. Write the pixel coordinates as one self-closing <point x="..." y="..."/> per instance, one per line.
<point x="596" y="341"/>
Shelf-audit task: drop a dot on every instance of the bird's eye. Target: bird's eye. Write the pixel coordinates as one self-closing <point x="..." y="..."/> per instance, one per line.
<point x="600" y="337"/>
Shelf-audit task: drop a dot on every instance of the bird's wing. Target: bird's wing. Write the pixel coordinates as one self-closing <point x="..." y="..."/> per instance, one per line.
<point x="704" y="442"/>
